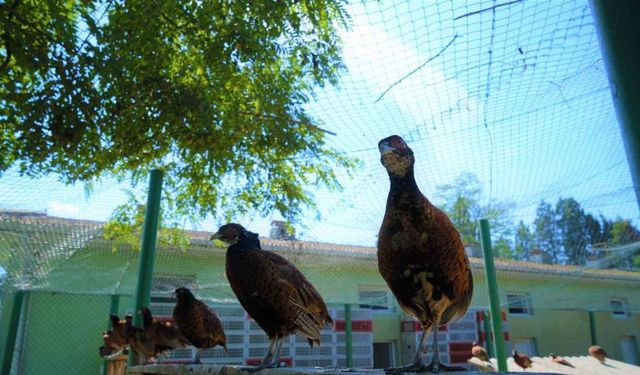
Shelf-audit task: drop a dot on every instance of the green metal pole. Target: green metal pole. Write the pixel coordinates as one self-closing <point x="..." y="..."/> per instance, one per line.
<point x="618" y="29"/>
<point x="592" y="328"/>
<point x="487" y="332"/>
<point x="148" y="247"/>
<point x="14" y="321"/>
<point x="114" y="306"/>
<point x="494" y="300"/>
<point x="348" y="338"/>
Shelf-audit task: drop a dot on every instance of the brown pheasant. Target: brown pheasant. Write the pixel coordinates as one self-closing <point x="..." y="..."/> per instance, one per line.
<point x="272" y="291"/>
<point x="560" y="360"/>
<point x="115" y="340"/>
<point x="420" y="254"/>
<point x="522" y="360"/>
<point x="145" y="351"/>
<point x="164" y="335"/>
<point x="598" y="353"/>
<point x="198" y="322"/>
<point x="479" y="352"/>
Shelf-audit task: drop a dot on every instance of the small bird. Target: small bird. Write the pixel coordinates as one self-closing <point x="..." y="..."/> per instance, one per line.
<point x="143" y="348"/>
<point x="272" y="291"/>
<point x="198" y="322"/>
<point x="479" y="352"/>
<point x="163" y="334"/>
<point x="112" y="344"/>
<point x="560" y="360"/>
<point x="115" y="340"/>
<point x="598" y="353"/>
<point x="522" y="360"/>
<point x="420" y="255"/>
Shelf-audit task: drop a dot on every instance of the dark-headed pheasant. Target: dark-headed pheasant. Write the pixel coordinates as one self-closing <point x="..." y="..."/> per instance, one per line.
<point x="272" y="291"/>
<point x="198" y="322"/>
<point x="420" y="255"/>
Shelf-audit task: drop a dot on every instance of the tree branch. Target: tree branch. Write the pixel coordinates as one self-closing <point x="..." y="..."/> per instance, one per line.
<point x="292" y="120"/>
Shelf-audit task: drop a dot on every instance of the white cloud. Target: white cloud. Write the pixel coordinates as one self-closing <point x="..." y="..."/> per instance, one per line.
<point x="57" y="208"/>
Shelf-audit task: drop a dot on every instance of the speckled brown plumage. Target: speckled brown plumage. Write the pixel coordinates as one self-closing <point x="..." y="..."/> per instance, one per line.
<point x="114" y="340"/>
<point x="598" y="353"/>
<point x="165" y="335"/>
<point x="522" y="360"/>
<point x="272" y="290"/>
<point x="198" y="322"/>
<point x="137" y="341"/>
<point x="420" y="252"/>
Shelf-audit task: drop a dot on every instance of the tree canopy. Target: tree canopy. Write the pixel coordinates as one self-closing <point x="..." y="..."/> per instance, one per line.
<point x="211" y="92"/>
<point x="565" y="232"/>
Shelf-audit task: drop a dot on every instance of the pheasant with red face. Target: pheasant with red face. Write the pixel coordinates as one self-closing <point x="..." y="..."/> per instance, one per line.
<point x="420" y="255"/>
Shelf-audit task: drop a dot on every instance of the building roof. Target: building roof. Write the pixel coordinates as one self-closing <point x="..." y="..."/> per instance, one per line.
<point x="323" y="248"/>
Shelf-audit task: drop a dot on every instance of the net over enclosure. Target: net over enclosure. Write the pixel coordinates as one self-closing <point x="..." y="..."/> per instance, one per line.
<point x="508" y="109"/>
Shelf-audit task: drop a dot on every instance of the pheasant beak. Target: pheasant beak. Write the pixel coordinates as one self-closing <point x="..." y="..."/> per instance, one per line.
<point x="217" y="240"/>
<point x="385" y="148"/>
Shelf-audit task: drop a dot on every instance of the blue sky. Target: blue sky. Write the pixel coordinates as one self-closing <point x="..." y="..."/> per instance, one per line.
<point x="518" y="97"/>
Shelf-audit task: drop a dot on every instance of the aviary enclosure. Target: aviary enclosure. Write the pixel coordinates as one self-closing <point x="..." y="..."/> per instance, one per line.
<point x="508" y="107"/>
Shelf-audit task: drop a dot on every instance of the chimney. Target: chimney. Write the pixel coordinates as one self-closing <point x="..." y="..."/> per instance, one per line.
<point x="539" y="256"/>
<point x="473" y="250"/>
<point x="279" y="231"/>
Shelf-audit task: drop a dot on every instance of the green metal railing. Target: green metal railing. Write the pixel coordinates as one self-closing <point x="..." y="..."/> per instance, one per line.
<point x="12" y="334"/>
<point x="494" y="299"/>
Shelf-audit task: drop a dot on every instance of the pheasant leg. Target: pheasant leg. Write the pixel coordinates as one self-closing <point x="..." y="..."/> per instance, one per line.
<point x="435" y="366"/>
<point x="417" y="365"/>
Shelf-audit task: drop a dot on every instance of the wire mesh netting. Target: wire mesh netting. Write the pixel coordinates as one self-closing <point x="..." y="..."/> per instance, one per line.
<point x="508" y="110"/>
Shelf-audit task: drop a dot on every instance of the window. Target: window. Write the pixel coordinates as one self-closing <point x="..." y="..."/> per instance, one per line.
<point x="165" y="285"/>
<point x="629" y="346"/>
<point x="374" y="298"/>
<point x="620" y="308"/>
<point x="519" y="304"/>
<point x="526" y="345"/>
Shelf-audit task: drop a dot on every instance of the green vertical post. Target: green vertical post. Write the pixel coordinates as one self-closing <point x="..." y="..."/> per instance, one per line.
<point x="494" y="300"/>
<point x="592" y="328"/>
<point x="487" y="332"/>
<point x="114" y="306"/>
<point x="12" y="334"/>
<point x="148" y="247"/>
<point x="618" y="29"/>
<point x="348" y="338"/>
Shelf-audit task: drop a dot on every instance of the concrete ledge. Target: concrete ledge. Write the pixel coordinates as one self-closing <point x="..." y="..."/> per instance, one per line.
<point x="182" y="369"/>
